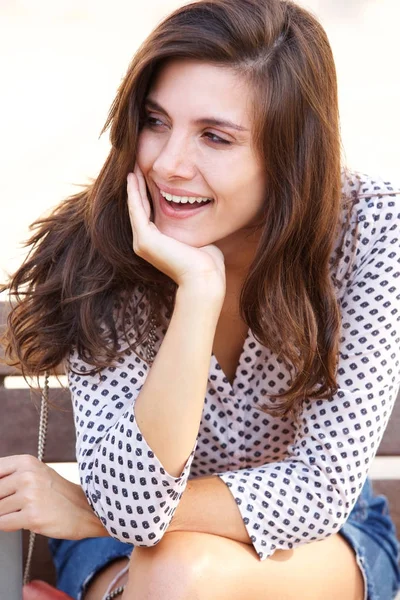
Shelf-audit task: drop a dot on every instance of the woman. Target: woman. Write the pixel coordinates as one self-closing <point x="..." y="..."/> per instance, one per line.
<point x="232" y="375"/>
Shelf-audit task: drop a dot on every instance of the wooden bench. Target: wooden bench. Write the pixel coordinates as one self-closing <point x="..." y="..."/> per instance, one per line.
<point x="18" y="435"/>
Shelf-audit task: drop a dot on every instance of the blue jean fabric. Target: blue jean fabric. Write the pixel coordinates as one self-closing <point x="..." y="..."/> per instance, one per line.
<point x="369" y="530"/>
<point x="372" y="534"/>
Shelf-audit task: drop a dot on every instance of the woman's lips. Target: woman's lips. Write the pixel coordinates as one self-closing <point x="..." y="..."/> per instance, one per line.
<point x="179" y="213"/>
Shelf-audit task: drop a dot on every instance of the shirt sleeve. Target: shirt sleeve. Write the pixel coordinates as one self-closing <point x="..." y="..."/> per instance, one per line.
<point x="124" y="481"/>
<point x="310" y="494"/>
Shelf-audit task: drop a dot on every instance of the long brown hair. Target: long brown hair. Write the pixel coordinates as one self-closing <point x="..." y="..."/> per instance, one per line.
<point x="81" y="258"/>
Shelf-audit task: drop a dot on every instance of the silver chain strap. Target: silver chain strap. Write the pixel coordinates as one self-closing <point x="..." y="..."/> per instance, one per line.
<point x="44" y="409"/>
<point x="43" y="423"/>
<point x="152" y="336"/>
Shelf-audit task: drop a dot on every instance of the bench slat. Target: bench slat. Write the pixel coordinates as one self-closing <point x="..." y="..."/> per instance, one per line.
<point x="20" y="420"/>
<point x="390" y="444"/>
<point x="6" y="371"/>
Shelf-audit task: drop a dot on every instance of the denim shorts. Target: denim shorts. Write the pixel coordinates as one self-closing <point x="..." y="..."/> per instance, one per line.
<point x="369" y="530"/>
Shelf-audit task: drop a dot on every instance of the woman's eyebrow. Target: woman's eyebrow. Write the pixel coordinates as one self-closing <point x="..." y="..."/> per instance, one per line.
<point x="205" y="121"/>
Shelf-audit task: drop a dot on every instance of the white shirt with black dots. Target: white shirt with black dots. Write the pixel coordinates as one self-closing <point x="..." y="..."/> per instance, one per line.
<point x="292" y="485"/>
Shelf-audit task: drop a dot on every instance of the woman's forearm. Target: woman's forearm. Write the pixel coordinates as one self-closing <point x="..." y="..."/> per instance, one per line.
<point x="90" y="526"/>
<point x="169" y="407"/>
<point x="208" y="506"/>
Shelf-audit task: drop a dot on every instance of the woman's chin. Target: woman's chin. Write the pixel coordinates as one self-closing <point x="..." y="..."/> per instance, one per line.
<point x="179" y="234"/>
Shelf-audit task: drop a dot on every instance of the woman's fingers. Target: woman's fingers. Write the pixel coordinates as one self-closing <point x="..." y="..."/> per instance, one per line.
<point x="8" y="465"/>
<point x="135" y="204"/>
<point x="138" y="202"/>
<point x="179" y="261"/>
<point x="8" y="486"/>
<point x="9" y="505"/>
<point x="144" y="231"/>
<point x="143" y="191"/>
<point x="34" y="497"/>
<point x="18" y="462"/>
<point x="12" y="522"/>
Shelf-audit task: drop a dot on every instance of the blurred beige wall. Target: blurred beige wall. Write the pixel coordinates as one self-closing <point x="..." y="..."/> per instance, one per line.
<point x="62" y="61"/>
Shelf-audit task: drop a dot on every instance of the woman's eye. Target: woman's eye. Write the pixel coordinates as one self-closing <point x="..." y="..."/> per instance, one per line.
<point x="216" y="139"/>
<point x="152" y="121"/>
<point x="156" y="123"/>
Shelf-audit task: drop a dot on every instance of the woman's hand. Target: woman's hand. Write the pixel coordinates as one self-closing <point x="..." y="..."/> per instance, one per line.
<point x="181" y="262"/>
<point x="33" y="496"/>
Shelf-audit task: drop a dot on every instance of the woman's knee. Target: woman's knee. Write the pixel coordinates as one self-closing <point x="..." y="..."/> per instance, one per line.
<point x="172" y="568"/>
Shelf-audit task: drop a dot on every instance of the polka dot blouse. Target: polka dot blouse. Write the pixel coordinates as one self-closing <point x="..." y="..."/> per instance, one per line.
<point x="292" y="484"/>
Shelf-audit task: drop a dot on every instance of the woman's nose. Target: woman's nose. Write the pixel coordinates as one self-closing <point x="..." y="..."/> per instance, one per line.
<point x="175" y="159"/>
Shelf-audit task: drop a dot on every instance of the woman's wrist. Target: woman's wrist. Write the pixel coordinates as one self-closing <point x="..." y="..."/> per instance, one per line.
<point x="92" y="526"/>
<point x="208" y="299"/>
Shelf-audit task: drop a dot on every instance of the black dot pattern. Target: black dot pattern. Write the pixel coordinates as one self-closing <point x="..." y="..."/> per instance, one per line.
<point x="292" y="484"/>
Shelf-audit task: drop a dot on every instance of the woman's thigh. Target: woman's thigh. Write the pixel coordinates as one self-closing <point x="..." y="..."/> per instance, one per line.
<point x="201" y="566"/>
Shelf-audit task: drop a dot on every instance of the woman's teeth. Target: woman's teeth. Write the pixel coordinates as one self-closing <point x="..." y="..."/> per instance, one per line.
<point x="184" y="199"/>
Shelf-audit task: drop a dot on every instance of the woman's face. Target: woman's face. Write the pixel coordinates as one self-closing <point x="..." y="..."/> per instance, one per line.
<point x="196" y="141"/>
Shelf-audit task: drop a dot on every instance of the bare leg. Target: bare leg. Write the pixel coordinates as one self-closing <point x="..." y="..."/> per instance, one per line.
<point x="200" y="566"/>
<point x="100" y="583"/>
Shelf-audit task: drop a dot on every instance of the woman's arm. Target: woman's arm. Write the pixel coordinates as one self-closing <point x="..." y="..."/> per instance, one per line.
<point x="133" y="464"/>
<point x="207" y="506"/>
<point x="134" y="432"/>
<point x="168" y="409"/>
<point x="169" y="406"/>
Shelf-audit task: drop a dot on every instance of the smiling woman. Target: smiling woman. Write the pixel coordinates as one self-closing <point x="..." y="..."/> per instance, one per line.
<point x="221" y="297"/>
<point x="181" y="142"/>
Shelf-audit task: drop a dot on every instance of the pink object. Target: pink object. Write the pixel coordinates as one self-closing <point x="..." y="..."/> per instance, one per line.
<point x="40" y="590"/>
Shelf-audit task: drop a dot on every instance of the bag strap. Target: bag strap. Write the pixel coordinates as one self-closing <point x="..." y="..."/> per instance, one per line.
<point x="43" y="422"/>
